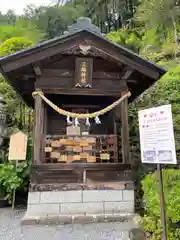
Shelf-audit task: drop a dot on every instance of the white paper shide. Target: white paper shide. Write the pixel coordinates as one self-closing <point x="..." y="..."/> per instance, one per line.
<point x="157" y="135"/>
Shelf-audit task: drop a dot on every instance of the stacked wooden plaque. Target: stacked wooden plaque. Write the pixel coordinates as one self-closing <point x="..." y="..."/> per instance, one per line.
<point x="71" y="149"/>
<point x="91" y="149"/>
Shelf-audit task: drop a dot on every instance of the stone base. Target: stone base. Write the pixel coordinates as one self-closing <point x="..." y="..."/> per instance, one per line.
<point x="80" y="219"/>
<point x="82" y="206"/>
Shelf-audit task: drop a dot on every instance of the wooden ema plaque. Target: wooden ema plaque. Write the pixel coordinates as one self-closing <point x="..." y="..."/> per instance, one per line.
<point x="18" y="146"/>
<point x="73" y="131"/>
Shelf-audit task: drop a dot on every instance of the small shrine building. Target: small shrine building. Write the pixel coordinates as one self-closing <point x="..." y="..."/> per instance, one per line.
<point x="79" y="86"/>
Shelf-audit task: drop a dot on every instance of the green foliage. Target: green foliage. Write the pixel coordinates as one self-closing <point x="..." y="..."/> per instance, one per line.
<point x="12" y="177"/>
<point x="13" y="45"/>
<point x="128" y="38"/>
<point x="22" y="28"/>
<point x="12" y="104"/>
<point x="160" y="13"/>
<point x="151" y="221"/>
<point x="55" y="20"/>
<point x="13" y="101"/>
<point x="110" y="14"/>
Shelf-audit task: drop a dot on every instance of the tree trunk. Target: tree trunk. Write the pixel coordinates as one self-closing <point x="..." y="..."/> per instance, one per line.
<point x="107" y="17"/>
<point x="175" y="31"/>
<point x="131" y="7"/>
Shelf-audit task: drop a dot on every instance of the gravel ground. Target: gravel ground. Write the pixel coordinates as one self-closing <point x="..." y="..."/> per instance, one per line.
<point x="10" y="229"/>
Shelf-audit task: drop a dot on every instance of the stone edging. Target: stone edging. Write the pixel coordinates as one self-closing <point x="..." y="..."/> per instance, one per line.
<point x="78" y="219"/>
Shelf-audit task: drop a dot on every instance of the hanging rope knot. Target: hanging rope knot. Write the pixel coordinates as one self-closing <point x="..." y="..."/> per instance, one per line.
<point x="37" y="93"/>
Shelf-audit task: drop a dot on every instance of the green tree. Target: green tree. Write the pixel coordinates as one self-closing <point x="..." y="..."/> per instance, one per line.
<point x="54" y="20"/>
<point x="13" y="101"/>
<point x="111" y="14"/>
<point x="129" y="38"/>
<point x="165" y="15"/>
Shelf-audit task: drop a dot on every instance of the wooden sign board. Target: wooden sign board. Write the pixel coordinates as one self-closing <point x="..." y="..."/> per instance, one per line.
<point x="73" y="130"/>
<point x="83" y="72"/>
<point x="18" y="146"/>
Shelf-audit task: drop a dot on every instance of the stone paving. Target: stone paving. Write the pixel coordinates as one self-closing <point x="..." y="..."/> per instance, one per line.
<point x="10" y="229"/>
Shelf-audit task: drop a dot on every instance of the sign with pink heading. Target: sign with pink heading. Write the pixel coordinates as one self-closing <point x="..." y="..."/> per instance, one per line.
<point x="157" y="135"/>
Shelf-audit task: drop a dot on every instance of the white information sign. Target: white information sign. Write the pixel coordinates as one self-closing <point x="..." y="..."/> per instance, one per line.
<point x="157" y="135"/>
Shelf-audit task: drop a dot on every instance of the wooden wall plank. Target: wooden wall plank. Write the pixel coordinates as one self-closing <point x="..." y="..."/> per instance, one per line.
<point x="55" y="82"/>
<point x="66" y="174"/>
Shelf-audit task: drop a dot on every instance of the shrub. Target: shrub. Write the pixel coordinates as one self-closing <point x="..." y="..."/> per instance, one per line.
<point x="151" y="221"/>
<point x="13" y="45"/>
<point x="15" y="178"/>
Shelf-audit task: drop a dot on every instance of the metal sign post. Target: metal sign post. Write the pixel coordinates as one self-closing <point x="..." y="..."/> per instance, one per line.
<point x="158" y="145"/>
<point x="162" y="204"/>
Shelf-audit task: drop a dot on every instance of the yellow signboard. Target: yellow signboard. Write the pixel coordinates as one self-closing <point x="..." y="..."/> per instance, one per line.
<point x="18" y="146"/>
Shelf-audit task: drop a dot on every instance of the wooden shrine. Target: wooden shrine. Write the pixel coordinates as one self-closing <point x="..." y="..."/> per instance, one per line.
<point x="80" y="72"/>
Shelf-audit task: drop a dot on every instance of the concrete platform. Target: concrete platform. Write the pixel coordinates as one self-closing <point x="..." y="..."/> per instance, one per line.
<point x="81" y="206"/>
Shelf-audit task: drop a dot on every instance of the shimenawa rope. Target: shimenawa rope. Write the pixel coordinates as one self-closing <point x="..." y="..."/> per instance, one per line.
<point x="78" y="115"/>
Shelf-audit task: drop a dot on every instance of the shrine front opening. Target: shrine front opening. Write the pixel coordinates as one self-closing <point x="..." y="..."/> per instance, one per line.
<point x="79" y="85"/>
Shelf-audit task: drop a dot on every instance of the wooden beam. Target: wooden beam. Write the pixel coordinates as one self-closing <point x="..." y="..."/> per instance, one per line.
<point x="27" y="76"/>
<point x="89" y="166"/>
<point x="38" y="129"/>
<point x="76" y="91"/>
<point x="132" y="81"/>
<point x="95" y="75"/>
<point x="125" y="130"/>
<point x="58" y="73"/>
<point x="127" y="74"/>
<point x="79" y="106"/>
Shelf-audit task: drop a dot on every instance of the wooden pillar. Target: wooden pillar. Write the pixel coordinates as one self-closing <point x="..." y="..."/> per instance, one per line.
<point x="116" y="134"/>
<point x="38" y="129"/>
<point x="125" y="130"/>
<point x="44" y="132"/>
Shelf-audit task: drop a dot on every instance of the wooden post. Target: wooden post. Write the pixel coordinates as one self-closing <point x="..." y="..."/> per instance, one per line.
<point x="116" y="134"/>
<point x="38" y="129"/>
<point x="44" y="131"/>
<point x="125" y="130"/>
